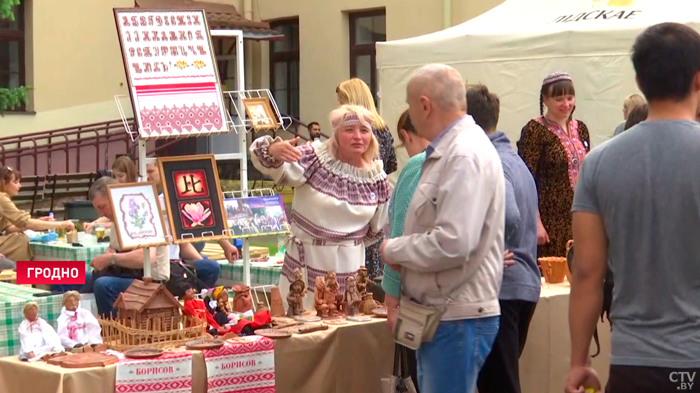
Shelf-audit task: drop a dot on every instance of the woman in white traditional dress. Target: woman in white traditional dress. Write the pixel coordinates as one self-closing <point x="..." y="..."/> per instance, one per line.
<point x="36" y="336"/>
<point x="77" y="326"/>
<point x="340" y="197"/>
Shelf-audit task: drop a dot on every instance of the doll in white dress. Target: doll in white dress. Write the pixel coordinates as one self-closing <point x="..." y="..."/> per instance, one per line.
<point x="77" y="327"/>
<point x="37" y="337"/>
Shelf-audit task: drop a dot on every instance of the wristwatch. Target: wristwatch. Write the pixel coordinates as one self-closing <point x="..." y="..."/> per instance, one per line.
<point x="113" y="261"/>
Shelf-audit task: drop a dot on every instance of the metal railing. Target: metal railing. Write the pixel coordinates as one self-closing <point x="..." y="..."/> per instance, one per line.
<point x="85" y="148"/>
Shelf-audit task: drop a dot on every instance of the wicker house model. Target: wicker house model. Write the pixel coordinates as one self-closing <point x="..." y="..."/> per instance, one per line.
<point x="148" y="306"/>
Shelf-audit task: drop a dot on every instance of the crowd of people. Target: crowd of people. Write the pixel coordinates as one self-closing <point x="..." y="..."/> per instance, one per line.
<point x="458" y="237"/>
<point x="469" y="217"/>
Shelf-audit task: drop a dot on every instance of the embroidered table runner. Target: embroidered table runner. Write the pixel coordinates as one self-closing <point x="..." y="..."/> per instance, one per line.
<point x="242" y="367"/>
<point x="170" y="372"/>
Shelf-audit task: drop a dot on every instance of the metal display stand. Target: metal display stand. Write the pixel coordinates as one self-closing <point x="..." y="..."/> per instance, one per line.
<point x="237" y="122"/>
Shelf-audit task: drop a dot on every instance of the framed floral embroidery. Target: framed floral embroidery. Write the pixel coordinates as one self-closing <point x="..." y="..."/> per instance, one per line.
<point x="138" y="222"/>
<point x="193" y="198"/>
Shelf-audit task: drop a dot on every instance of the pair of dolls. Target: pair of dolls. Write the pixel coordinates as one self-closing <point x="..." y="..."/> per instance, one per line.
<point x="239" y="319"/>
<point x="77" y="327"/>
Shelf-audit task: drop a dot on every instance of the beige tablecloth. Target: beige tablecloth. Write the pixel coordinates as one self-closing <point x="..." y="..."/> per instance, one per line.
<point x="547" y="356"/>
<point x="345" y="359"/>
<point x="350" y="358"/>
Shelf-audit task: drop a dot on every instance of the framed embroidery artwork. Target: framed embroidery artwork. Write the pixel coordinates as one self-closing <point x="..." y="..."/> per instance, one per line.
<point x="193" y="198"/>
<point x="171" y="72"/>
<point x="260" y="113"/>
<point x="138" y="221"/>
<point x="256" y="216"/>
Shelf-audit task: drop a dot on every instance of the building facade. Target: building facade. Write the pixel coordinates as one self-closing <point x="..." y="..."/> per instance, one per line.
<point x="67" y="52"/>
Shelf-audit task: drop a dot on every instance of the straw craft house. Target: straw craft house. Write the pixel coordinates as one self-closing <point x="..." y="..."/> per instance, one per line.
<point x="148" y="306"/>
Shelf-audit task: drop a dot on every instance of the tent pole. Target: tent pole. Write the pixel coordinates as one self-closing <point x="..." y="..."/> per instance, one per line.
<point x="446" y="14"/>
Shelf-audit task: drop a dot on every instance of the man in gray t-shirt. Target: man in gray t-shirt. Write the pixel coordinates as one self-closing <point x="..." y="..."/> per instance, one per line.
<point x="637" y="207"/>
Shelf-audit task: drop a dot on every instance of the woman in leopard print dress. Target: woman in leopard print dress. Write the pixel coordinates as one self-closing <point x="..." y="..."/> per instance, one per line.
<point x="553" y="146"/>
<point x="356" y="92"/>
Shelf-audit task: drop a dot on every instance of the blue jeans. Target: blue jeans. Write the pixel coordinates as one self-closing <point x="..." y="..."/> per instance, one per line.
<point x="107" y="290"/>
<point x="207" y="271"/>
<point x="63" y="288"/>
<point x="451" y="362"/>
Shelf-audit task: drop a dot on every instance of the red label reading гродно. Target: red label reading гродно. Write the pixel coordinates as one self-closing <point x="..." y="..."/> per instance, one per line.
<point x="50" y="272"/>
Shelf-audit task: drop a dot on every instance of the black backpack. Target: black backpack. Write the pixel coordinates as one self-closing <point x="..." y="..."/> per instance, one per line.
<point x="607" y="296"/>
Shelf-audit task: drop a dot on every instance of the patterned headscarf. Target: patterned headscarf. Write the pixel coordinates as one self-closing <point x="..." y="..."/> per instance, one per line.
<point x="556" y="77"/>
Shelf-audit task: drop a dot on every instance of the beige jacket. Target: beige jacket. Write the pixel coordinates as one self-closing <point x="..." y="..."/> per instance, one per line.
<point x="452" y="244"/>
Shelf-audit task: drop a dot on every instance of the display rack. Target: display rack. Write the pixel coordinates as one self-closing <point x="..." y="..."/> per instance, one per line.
<point x="242" y="142"/>
<point x="239" y="120"/>
<point x="135" y="135"/>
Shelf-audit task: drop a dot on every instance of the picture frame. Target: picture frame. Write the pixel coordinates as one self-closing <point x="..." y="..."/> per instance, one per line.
<point x="256" y="216"/>
<point x="193" y="198"/>
<point x="171" y="72"/>
<point x="261" y="114"/>
<point x="138" y="220"/>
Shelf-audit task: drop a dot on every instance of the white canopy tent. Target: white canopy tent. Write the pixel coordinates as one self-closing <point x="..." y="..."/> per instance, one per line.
<point x="515" y="45"/>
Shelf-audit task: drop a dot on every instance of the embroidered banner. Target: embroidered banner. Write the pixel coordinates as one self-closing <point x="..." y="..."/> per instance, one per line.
<point x="242" y="367"/>
<point x="171" y="373"/>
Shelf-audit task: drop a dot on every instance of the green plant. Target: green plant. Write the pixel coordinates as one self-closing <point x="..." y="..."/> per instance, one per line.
<point x="11" y="98"/>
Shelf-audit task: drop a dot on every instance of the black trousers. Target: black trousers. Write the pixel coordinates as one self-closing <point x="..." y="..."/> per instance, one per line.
<point x="500" y="373"/>
<point x="636" y="379"/>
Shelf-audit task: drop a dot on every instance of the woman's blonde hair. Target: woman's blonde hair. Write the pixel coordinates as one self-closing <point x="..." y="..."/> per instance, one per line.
<point x="356" y="92"/>
<point x="125" y="165"/>
<point x="632" y="101"/>
<point x="352" y="114"/>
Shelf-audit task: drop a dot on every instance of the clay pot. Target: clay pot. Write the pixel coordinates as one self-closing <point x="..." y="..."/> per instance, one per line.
<point x="242" y="300"/>
<point x="368" y="303"/>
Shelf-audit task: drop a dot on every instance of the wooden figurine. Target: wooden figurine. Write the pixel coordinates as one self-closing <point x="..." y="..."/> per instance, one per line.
<point x="242" y="302"/>
<point x="299" y="276"/>
<point x="276" y="304"/>
<point x="333" y="296"/>
<point x="143" y="304"/>
<point x="352" y="297"/>
<point x="363" y="280"/>
<point x="320" y="303"/>
<point x="295" y="298"/>
<point x="37" y="338"/>
<point x="77" y="327"/>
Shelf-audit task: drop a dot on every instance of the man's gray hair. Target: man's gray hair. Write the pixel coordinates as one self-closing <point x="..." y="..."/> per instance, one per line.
<point x="443" y="85"/>
<point x="99" y="187"/>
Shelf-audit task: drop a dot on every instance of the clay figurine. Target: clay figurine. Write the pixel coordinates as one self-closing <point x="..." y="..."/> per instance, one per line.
<point x="295" y="299"/>
<point x="332" y="295"/>
<point x="320" y="303"/>
<point x="363" y="280"/>
<point x="276" y="304"/>
<point x="352" y="297"/>
<point x="77" y="327"/>
<point x="299" y="276"/>
<point x="242" y="302"/>
<point x="37" y="338"/>
<point x="368" y="303"/>
<point x="333" y="291"/>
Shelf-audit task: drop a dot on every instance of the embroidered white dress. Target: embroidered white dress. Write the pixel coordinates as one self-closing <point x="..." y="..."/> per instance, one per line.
<point x="78" y="327"/>
<point x="338" y="209"/>
<point x="38" y="337"/>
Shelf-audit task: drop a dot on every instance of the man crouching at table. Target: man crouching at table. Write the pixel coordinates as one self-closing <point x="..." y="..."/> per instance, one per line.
<point x="451" y="253"/>
<point x="114" y="271"/>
